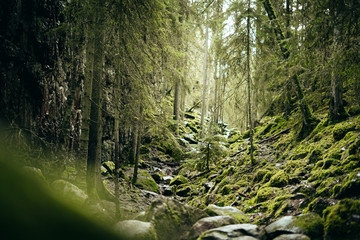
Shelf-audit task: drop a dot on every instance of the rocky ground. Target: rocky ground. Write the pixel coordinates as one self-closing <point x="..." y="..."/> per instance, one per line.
<point x="296" y="189"/>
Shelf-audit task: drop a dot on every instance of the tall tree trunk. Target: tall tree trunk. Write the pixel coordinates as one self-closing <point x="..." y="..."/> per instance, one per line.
<point x="95" y="131"/>
<point x="116" y="138"/>
<point x="177" y="103"/>
<point x="308" y="120"/>
<point x="203" y="103"/>
<point x="138" y="143"/>
<point x="336" y="107"/>
<point x="249" y="84"/>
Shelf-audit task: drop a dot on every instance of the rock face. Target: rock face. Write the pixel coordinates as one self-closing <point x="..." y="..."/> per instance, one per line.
<point x="309" y="224"/>
<point x="171" y="219"/>
<point x="235" y="231"/>
<point x="207" y="223"/>
<point x="214" y="210"/>
<point x="69" y="192"/>
<point x="136" y="230"/>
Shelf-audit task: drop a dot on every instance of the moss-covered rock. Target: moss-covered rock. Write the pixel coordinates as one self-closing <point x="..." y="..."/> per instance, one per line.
<point x="309" y="224"/>
<point x="341" y="129"/>
<point x="342" y="221"/>
<point x="178" y="180"/>
<point x="280" y="179"/>
<point x="145" y="181"/>
<point x="350" y="186"/>
<point x="214" y="210"/>
<point x="265" y="193"/>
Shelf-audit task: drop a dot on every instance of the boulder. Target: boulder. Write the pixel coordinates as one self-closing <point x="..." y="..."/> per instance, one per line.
<point x="35" y="173"/>
<point x="69" y="192"/>
<point x="207" y="223"/>
<point x="292" y="237"/>
<point x="234" y="231"/>
<point x="178" y="180"/>
<point x="309" y="224"/>
<point x="136" y="230"/>
<point x="146" y="182"/>
<point x="171" y="219"/>
<point x="214" y="210"/>
<point x="342" y="221"/>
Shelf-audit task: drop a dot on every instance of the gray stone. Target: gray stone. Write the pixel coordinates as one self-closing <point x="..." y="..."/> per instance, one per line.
<point x="292" y="237"/>
<point x="234" y="231"/>
<point x="136" y="230"/>
<point x="309" y="224"/>
<point x="167" y="179"/>
<point x="207" y="223"/>
<point x="69" y="192"/>
<point x="214" y="210"/>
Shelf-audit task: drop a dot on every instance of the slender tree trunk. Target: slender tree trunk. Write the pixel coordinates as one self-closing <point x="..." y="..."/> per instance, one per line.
<point x="137" y="148"/>
<point x="249" y="84"/>
<point x="116" y="138"/>
<point x="177" y="103"/>
<point x="203" y="103"/>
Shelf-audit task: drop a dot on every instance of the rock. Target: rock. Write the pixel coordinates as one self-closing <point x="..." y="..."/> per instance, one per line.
<point x="309" y="224"/>
<point x="207" y="223"/>
<point x="234" y="231"/>
<point x="35" y="173"/>
<point x="292" y="237"/>
<point x="183" y="192"/>
<point x="208" y="185"/>
<point x="69" y="192"/>
<point x="136" y="230"/>
<point x="157" y="177"/>
<point x="342" y="221"/>
<point x="171" y="219"/>
<point x="146" y="182"/>
<point x="167" y="191"/>
<point x="167" y="179"/>
<point x="178" y="180"/>
<point x="107" y="168"/>
<point x="214" y="210"/>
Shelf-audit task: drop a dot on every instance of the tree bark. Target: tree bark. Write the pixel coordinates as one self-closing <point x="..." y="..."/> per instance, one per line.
<point x="95" y="131"/>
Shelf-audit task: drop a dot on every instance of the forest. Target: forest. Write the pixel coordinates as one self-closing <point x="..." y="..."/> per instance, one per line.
<point x="180" y="119"/>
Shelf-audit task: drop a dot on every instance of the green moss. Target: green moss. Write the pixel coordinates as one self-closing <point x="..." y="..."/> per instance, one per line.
<point x="227" y="189"/>
<point x="280" y="179"/>
<point x="342" y="221"/>
<point x="178" y="180"/>
<point x="350" y="186"/>
<point x="341" y="129"/>
<point x="259" y="175"/>
<point x="265" y="193"/>
<point x="315" y="156"/>
<point x="145" y="181"/>
<point x="312" y="224"/>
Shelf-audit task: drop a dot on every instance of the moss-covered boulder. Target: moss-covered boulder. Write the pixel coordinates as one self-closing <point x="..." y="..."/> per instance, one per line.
<point x="214" y="210"/>
<point x="280" y="179"/>
<point x="207" y="223"/>
<point x="265" y="193"/>
<point x="178" y="180"/>
<point x="341" y="129"/>
<point x="309" y="224"/>
<point x="35" y="173"/>
<point x="146" y="182"/>
<point x="172" y="219"/>
<point x="350" y="187"/>
<point x="69" y="192"/>
<point x="342" y="221"/>
<point x="136" y="230"/>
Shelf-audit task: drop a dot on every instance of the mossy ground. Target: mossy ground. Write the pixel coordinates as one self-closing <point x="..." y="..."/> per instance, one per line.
<point x="290" y="175"/>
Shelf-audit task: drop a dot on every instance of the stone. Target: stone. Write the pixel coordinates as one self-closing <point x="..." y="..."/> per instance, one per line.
<point x="167" y="179"/>
<point x="207" y="223"/>
<point x="178" y="180"/>
<point x="146" y="182"/>
<point x="69" y="192"/>
<point x="309" y="224"/>
<point x="136" y="230"/>
<point x="35" y="173"/>
<point x="172" y="219"/>
<point x="234" y="231"/>
<point x="292" y="237"/>
<point x="214" y="210"/>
